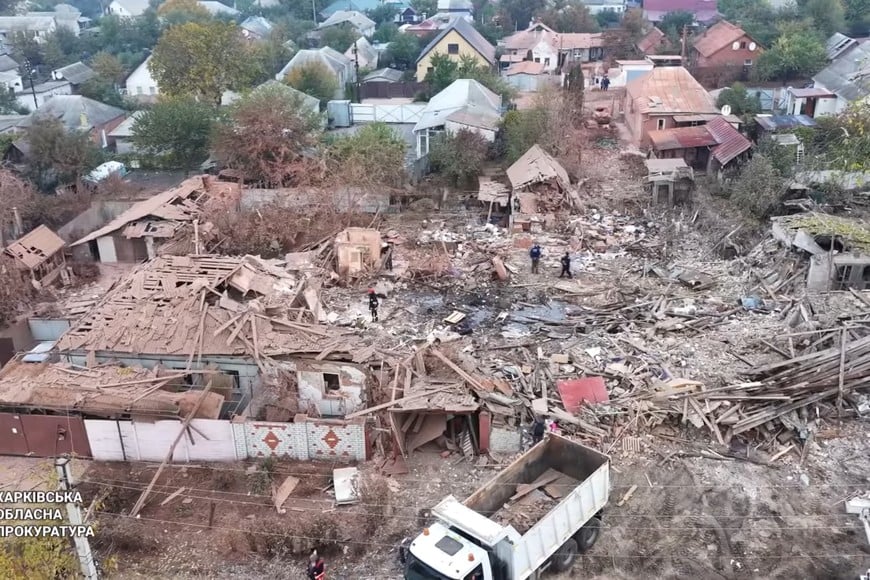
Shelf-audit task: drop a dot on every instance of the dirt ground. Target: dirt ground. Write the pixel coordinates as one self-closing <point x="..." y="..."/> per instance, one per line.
<point x="689" y="516"/>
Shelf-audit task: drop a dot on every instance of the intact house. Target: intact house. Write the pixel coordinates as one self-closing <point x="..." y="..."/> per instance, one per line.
<point x="357" y="21"/>
<point x="78" y="113"/>
<point x="127" y="8"/>
<point x="725" y="45"/>
<point x="256" y="28"/>
<point x="704" y="11"/>
<point x="845" y="80"/>
<point x="464" y="104"/>
<point x="65" y="16"/>
<point x="364" y="53"/>
<point x="76" y="74"/>
<point x="36" y="27"/>
<point x="837" y="246"/>
<point x="121" y="137"/>
<point x="653" y="42"/>
<point x="665" y="98"/>
<point x="464" y="7"/>
<point x="35" y="97"/>
<point x="216" y="8"/>
<point x="336" y="63"/>
<point x="598" y="6"/>
<point x="541" y="44"/>
<point x="528" y="76"/>
<point x="40" y="253"/>
<point x="140" y="83"/>
<point x="164" y="223"/>
<point x="460" y="39"/>
<point x="710" y="148"/>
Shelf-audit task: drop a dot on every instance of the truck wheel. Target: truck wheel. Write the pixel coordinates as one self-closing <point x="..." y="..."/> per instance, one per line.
<point x="588" y="535"/>
<point x="564" y="558"/>
<point x="403" y="550"/>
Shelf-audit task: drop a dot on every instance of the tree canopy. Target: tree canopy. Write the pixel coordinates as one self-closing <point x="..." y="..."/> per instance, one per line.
<point x="741" y="102"/>
<point x="797" y="53"/>
<point x="374" y="155"/>
<point x="446" y="70"/>
<point x="266" y="134"/>
<point x="313" y="79"/>
<point x="201" y="60"/>
<point x="57" y="155"/>
<point x="569" y="16"/>
<point x="339" y="37"/>
<point x="175" y="132"/>
<point x="404" y="50"/>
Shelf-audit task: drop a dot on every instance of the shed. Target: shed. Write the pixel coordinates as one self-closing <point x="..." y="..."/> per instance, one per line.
<point x="536" y="166"/>
<point x="40" y="251"/>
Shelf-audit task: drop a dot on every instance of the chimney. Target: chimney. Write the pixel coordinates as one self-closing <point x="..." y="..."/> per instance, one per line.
<point x="18" y="230"/>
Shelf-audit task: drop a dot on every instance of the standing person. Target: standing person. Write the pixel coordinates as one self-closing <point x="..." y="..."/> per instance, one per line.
<point x="316" y="567"/>
<point x="535" y="255"/>
<point x="538" y="429"/>
<point x="387" y="253"/>
<point x="566" y="266"/>
<point x="373" y="304"/>
<point x="605" y="83"/>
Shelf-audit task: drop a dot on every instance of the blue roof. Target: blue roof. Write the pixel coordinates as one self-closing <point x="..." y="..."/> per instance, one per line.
<point x="779" y="122"/>
<point x="358" y="5"/>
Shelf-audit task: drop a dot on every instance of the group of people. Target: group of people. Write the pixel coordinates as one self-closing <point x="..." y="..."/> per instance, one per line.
<point x="535" y="254"/>
<point x="603" y="83"/>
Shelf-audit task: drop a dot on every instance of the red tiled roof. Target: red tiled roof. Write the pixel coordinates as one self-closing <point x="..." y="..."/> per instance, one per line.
<point x="525" y="67"/>
<point x="652" y="39"/>
<point x="731" y="142"/>
<point x="721" y="35"/>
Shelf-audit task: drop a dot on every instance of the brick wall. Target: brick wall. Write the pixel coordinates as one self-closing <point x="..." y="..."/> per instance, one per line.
<point x="306" y="439"/>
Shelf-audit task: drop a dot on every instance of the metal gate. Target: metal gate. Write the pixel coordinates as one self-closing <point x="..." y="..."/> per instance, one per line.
<point x="43" y="435"/>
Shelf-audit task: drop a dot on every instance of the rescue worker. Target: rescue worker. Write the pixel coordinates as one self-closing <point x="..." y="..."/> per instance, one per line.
<point x="538" y="429"/>
<point x="316" y="567"/>
<point x="566" y="266"/>
<point x="535" y="255"/>
<point x="373" y="304"/>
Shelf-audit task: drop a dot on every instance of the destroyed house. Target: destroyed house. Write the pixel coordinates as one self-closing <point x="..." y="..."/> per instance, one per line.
<point x="252" y="320"/>
<point x="538" y="186"/>
<point x="40" y="252"/>
<point x="161" y="224"/>
<point x="838" y="247"/>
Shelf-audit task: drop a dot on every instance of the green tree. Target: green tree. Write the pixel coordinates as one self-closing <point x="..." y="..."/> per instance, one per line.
<point x="270" y="55"/>
<point x="634" y="23"/>
<point x="266" y="134"/>
<point x="459" y="156"/>
<point x="759" y="189"/>
<point x="848" y="139"/>
<point x="828" y="16"/>
<point x="374" y="155"/>
<point x="108" y="67"/>
<point x="25" y="48"/>
<point x="858" y="17"/>
<point x="339" y="37"/>
<point x="519" y="13"/>
<point x="521" y="130"/>
<point x="385" y="13"/>
<point x="57" y="155"/>
<point x="386" y="32"/>
<point x="61" y="48"/>
<point x="313" y="79"/>
<point x="103" y="91"/>
<point x="673" y="24"/>
<point x="201" y="60"/>
<point x="741" y="102"/>
<point x="607" y="18"/>
<point x="404" y="50"/>
<point x="175" y="132"/>
<point x="429" y="7"/>
<point x="175" y="12"/>
<point x="797" y="53"/>
<point x="569" y="16"/>
<point x="9" y="105"/>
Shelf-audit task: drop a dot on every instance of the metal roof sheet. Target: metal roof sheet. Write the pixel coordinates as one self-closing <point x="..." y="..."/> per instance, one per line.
<point x="848" y="75"/>
<point x="777" y="122"/>
<point x="721" y="35"/>
<point x="731" y="142"/>
<point x="681" y="138"/>
<point x="670" y="89"/>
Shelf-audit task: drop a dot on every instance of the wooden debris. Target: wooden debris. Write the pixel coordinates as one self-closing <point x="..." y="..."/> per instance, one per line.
<point x="627" y="496"/>
<point x="173" y="495"/>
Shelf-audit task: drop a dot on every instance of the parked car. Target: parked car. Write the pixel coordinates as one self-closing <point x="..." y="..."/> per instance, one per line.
<point x="106" y="169"/>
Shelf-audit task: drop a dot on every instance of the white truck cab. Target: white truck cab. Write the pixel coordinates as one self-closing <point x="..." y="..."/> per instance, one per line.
<point x="439" y="554"/>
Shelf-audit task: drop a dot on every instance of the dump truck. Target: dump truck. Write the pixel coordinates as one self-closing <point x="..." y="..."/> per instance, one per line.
<point x="536" y="515"/>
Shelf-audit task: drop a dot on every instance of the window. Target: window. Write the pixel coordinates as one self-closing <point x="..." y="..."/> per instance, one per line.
<point x="743" y="45"/>
<point x="747" y="62"/>
<point x="546" y="62"/>
<point x="153" y="90"/>
<point x="452" y="49"/>
<point x="430" y="69"/>
<point x="660" y="124"/>
<point x="537" y="60"/>
<point x="138" y="90"/>
<point x="331" y="382"/>
<point x="844" y="277"/>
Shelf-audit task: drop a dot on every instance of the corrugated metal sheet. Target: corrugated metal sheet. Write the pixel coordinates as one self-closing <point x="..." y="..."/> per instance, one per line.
<point x="778" y="122"/>
<point x="670" y="89"/>
<point x="206" y="440"/>
<point x="731" y="142"/>
<point x="45" y="329"/>
<point x="682" y="138"/>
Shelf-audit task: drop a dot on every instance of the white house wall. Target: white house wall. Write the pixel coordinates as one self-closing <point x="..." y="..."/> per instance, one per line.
<point x="25" y="96"/>
<point x="106" y="248"/>
<point x="453" y="127"/>
<point x="205" y="440"/>
<point x="140" y="82"/>
<point x="314" y="395"/>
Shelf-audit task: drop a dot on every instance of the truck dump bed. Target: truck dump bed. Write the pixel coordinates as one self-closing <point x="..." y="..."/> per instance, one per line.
<point x="546" y="495"/>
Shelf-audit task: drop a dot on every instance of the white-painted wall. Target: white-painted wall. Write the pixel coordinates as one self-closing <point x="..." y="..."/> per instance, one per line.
<point x="206" y="440"/>
<point x="25" y="96"/>
<point x="140" y="83"/>
<point x="313" y="391"/>
<point x="106" y="247"/>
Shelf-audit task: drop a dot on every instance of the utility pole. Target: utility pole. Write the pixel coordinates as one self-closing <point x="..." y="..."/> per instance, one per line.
<point x="356" y="71"/>
<point x="683" y="43"/>
<point x="30" y="72"/>
<point x="83" y="546"/>
<point x="314" y="11"/>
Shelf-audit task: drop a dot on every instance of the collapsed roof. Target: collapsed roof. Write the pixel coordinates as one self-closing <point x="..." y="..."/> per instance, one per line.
<point x="536" y="166"/>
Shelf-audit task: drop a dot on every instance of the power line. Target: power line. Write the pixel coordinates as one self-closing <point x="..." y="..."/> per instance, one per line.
<point x="393" y="546"/>
<point x="416" y="518"/>
<point x="116" y="483"/>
